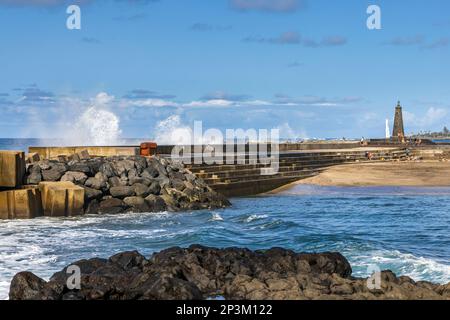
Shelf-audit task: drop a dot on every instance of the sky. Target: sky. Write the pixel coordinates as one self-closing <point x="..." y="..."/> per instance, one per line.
<point x="310" y="68"/>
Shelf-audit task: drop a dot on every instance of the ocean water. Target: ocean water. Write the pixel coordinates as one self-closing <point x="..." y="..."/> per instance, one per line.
<point x="402" y="229"/>
<point x="406" y="230"/>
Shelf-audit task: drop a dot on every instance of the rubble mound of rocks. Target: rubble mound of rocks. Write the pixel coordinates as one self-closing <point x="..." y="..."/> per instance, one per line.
<point x="130" y="184"/>
<point x="201" y="272"/>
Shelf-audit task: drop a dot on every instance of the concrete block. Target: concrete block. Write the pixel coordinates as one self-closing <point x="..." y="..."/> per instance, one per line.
<point x="62" y="199"/>
<point x="12" y="168"/>
<point x="20" y="204"/>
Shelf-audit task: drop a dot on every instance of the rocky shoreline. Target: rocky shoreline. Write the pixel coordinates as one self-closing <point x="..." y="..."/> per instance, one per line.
<point x="123" y="184"/>
<point x="201" y="272"/>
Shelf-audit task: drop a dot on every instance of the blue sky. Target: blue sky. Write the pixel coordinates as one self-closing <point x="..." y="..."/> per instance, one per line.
<point x="310" y="68"/>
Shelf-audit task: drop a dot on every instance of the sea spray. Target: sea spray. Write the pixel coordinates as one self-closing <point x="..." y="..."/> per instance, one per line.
<point x="98" y="127"/>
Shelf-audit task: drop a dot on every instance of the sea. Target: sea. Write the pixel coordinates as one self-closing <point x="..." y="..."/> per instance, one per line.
<point x="403" y="229"/>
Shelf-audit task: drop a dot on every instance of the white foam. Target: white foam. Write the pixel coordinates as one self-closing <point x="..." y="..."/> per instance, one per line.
<point x="418" y="268"/>
<point x="216" y="217"/>
<point x="256" y="217"/>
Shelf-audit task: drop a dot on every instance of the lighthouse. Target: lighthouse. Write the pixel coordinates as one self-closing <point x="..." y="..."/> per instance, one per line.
<point x="399" y="130"/>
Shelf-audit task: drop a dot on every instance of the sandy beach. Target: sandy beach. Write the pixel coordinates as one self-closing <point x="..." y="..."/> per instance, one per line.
<point x="420" y="174"/>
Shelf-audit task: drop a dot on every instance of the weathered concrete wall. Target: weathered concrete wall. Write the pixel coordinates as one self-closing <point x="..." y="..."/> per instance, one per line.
<point x="54" y="152"/>
<point x="62" y="199"/>
<point x="20" y="204"/>
<point x="12" y="168"/>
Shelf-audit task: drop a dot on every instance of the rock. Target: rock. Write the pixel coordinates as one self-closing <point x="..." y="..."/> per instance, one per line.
<point x="129" y="176"/>
<point x="178" y="184"/>
<point x="111" y="206"/>
<point x="51" y="175"/>
<point x="107" y="169"/>
<point x="129" y="260"/>
<point x="140" y="163"/>
<point x="122" y="166"/>
<point x="35" y="175"/>
<point x="75" y="177"/>
<point x="81" y="167"/>
<point x="200" y="272"/>
<point x="141" y="190"/>
<point x="91" y="194"/>
<point x="155" y="188"/>
<point x="135" y="180"/>
<point x="137" y="204"/>
<point x="156" y="203"/>
<point x="26" y="286"/>
<point x="115" y="182"/>
<point x="170" y="203"/>
<point x="95" y="183"/>
<point x="150" y="173"/>
<point x="122" y="191"/>
<point x="44" y="165"/>
<point x="92" y="207"/>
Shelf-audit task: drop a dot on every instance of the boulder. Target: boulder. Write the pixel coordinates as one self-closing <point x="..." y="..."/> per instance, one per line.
<point x="115" y="182"/>
<point x="155" y="188"/>
<point x="51" y="175"/>
<point x="26" y="286"/>
<point x="75" y="177"/>
<point x="122" y="191"/>
<point x="91" y="194"/>
<point x="123" y="166"/>
<point x="141" y="190"/>
<point x="81" y="167"/>
<point x="34" y="176"/>
<point x="107" y="169"/>
<point x="136" y="204"/>
<point x="155" y="203"/>
<point x="92" y="207"/>
<point x="98" y="182"/>
<point x="111" y="206"/>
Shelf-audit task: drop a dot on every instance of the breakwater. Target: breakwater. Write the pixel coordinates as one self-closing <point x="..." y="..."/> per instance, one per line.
<point x="242" y="170"/>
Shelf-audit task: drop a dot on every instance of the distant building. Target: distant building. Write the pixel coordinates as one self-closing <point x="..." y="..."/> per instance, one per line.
<point x="399" y="129"/>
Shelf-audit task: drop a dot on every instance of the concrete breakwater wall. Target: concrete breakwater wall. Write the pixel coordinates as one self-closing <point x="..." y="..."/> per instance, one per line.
<point x="104" y="185"/>
<point x="46" y="152"/>
<point x="242" y="175"/>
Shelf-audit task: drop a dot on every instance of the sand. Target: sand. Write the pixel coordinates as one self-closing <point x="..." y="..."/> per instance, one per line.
<point x="420" y="174"/>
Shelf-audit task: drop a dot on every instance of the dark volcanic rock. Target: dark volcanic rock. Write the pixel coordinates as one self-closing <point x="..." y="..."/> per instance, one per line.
<point x="200" y="272"/>
<point x="122" y="191"/>
<point x="136" y="204"/>
<point x="175" y="187"/>
<point x="155" y="203"/>
<point x="75" y="177"/>
<point x="111" y="206"/>
<point x="35" y="176"/>
<point x="91" y="194"/>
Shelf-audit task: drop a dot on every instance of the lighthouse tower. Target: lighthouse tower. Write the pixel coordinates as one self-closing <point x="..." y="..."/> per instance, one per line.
<point x="399" y="130"/>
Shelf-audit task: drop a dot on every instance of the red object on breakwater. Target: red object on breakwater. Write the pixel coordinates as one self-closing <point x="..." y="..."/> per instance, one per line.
<point x="148" y="149"/>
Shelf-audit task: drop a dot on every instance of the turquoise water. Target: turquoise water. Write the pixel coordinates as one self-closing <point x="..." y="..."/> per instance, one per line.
<point x="406" y="230"/>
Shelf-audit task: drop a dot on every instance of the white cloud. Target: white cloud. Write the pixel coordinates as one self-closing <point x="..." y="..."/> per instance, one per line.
<point x="433" y="116"/>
